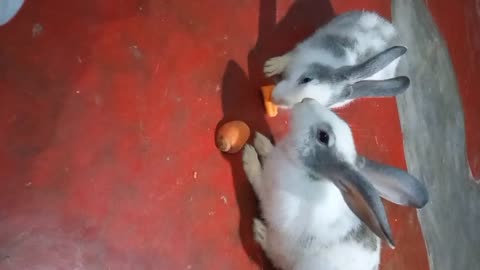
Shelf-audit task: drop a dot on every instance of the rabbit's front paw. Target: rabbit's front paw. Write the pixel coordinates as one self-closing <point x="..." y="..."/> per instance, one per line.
<point x="260" y="232"/>
<point x="275" y="65"/>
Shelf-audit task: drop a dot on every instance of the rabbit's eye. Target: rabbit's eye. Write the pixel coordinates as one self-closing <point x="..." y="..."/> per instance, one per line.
<point x="305" y="80"/>
<point x="323" y="137"/>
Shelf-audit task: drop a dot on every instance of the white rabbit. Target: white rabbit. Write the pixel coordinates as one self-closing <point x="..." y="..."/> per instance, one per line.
<point x="320" y="200"/>
<point x="353" y="56"/>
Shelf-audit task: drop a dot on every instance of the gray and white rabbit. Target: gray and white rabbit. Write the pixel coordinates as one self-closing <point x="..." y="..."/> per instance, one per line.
<point x="320" y="199"/>
<point x="353" y="56"/>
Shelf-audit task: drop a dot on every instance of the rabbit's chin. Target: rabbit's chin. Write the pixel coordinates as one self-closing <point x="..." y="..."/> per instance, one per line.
<point x="284" y="106"/>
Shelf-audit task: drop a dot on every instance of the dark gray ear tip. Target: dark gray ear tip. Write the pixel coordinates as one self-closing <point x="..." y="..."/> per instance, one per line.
<point x="419" y="194"/>
<point x="404" y="79"/>
<point x="422" y="197"/>
<point x="387" y="235"/>
<point x="401" y="49"/>
<point x="404" y="82"/>
<point x="423" y="202"/>
<point x="390" y="241"/>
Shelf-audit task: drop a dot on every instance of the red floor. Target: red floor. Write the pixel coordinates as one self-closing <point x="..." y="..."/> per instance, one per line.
<point x="108" y="111"/>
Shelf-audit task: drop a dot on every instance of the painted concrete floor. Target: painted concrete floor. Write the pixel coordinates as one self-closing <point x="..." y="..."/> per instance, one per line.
<point x="435" y="118"/>
<point x="108" y="111"/>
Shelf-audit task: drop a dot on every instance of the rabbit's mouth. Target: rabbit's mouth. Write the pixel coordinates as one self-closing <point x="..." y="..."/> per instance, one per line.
<point x="282" y="103"/>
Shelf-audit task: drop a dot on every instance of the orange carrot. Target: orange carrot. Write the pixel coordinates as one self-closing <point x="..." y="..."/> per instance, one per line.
<point x="232" y="136"/>
<point x="270" y="107"/>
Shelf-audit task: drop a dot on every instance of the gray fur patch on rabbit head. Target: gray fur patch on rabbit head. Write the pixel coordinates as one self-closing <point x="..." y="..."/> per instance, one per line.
<point x="314" y="153"/>
<point x="320" y="137"/>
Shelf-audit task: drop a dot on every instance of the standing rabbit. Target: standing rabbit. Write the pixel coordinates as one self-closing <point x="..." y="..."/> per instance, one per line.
<point x="320" y="199"/>
<point x="353" y="56"/>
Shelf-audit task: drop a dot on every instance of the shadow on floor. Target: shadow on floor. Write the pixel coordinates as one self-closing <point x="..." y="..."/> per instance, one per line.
<point x="241" y="98"/>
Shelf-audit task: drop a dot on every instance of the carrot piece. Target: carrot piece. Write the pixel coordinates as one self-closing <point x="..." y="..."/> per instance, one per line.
<point x="232" y="136"/>
<point x="270" y="107"/>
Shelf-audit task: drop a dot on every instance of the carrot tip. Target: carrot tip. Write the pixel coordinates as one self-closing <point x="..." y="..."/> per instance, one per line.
<point x="232" y="136"/>
<point x="223" y="145"/>
<point x="270" y="108"/>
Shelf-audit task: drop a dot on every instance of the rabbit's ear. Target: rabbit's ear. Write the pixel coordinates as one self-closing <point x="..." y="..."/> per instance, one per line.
<point x="362" y="198"/>
<point x="383" y="88"/>
<point x="394" y="184"/>
<point x="372" y="65"/>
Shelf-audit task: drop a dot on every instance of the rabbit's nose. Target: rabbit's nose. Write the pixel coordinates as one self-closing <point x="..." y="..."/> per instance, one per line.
<point x="278" y="101"/>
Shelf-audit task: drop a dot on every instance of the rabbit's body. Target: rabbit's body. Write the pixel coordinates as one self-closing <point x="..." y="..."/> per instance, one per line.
<point x="320" y="200"/>
<point x="309" y="224"/>
<point x="347" y="41"/>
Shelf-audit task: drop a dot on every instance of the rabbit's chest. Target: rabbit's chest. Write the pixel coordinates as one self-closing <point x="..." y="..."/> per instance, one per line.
<point x="311" y="214"/>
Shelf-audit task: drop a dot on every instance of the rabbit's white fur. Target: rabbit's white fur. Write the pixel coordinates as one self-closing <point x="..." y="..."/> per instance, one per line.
<point x="369" y="33"/>
<point x="305" y="220"/>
